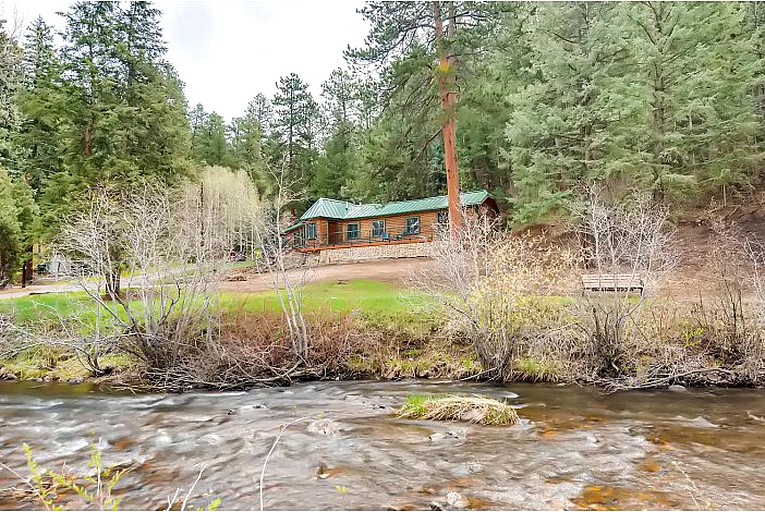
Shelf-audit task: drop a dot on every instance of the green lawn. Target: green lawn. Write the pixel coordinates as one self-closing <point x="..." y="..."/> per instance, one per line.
<point x="369" y="297"/>
<point x="31" y="308"/>
<point x="372" y="299"/>
<point x="364" y="295"/>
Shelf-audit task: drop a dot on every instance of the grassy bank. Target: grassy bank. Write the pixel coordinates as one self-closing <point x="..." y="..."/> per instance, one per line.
<point x="369" y="329"/>
<point x="366" y="296"/>
<point x="396" y="334"/>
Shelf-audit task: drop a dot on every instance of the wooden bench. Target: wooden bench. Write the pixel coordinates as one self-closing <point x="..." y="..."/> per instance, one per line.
<point x="612" y="282"/>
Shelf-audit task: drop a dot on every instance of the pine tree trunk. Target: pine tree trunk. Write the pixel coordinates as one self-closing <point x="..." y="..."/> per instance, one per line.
<point x="449" y="109"/>
<point x="26" y="269"/>
<point x="88" y="143"/>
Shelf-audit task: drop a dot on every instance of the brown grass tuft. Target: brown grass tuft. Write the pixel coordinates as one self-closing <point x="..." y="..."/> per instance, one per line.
<point x="472" y="409"/>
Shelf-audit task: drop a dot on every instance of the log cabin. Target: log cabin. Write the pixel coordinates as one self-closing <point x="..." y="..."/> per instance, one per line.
<point x="334" y="224"/>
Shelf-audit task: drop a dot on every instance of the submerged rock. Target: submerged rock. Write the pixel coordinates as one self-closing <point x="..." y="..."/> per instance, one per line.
<point x="325" y="427"/>
<point x="702" y="422"/>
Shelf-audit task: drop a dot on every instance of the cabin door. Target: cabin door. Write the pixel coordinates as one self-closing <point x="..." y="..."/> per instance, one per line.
<point x="335" y="236"/>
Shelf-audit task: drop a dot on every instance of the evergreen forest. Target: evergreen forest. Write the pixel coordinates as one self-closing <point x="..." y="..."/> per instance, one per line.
<point x="666" y="98"/>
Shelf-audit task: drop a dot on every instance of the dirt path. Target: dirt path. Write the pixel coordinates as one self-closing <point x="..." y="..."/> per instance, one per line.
<point x="38" y="289"/>
<point x="685" y="284"/>
<point x="394" y="271"/>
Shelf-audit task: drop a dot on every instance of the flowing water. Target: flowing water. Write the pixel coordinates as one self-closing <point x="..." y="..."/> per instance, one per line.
<point x="575" y="448"/>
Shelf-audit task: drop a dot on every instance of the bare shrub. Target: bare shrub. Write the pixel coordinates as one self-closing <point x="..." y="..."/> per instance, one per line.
<point x="497" y="289"/>
<point x="166" y="247"/>
<point x="715" y="340"/>
<point x="67" y="335"/>
<point x="255" y="349"/>
<point x="734" y="322"/>
<point x="277" y="260"/>
<point x="672" y="349"/>
<point x="630" y="237"/>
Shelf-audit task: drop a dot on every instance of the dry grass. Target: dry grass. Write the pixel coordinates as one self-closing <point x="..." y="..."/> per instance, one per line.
<point x="472" y="409"/>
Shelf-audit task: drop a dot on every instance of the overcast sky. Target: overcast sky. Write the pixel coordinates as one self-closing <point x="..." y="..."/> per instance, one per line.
<point x="228" y="51"/>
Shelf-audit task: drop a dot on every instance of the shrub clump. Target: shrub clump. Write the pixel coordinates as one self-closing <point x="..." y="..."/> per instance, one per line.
<point x="472" y="409"/>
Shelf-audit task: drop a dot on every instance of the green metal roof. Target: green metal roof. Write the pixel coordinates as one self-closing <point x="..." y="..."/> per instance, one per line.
<point x="334" y="209"/>
<point x="294" y="227"/>
<point x="330" y="208"/>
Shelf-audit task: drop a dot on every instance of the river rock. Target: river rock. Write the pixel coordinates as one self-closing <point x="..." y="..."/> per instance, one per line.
<point x="677" y="388"/>
<point x="325" y="427"/>
<point x="322" y="472"/>
<point x="402" y="506"/>
<point x="700" y="421"/>
<point x="435" y="505"/>
<point x="259" y="406"/>
<point x="438" y="436"/>
<point x="474" y="467"/>
<point x="456" y="500"/>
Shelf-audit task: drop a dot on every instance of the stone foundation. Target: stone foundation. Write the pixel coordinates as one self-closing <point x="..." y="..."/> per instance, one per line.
<point x="373" y="252"/>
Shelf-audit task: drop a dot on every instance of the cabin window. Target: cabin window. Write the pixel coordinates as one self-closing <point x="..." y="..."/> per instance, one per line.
<point x="443" y="218"/>
<point x="412" y="225"/>
<point x="310" y="231"/>
<point x="352" y="231"/>
<point x="378" y="227"/>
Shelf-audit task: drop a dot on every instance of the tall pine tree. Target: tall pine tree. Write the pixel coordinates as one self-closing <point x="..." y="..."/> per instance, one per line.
<point x="295" y="113"/>
<point x="40" y="103"/>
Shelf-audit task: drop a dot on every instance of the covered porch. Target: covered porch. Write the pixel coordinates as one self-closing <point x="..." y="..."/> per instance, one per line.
<point x="321" y="234"/>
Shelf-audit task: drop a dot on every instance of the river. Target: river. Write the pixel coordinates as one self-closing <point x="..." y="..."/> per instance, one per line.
<point x="575" y="448"/>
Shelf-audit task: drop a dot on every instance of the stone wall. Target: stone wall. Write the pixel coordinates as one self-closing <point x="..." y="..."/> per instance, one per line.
<point x="374" y="252"/>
